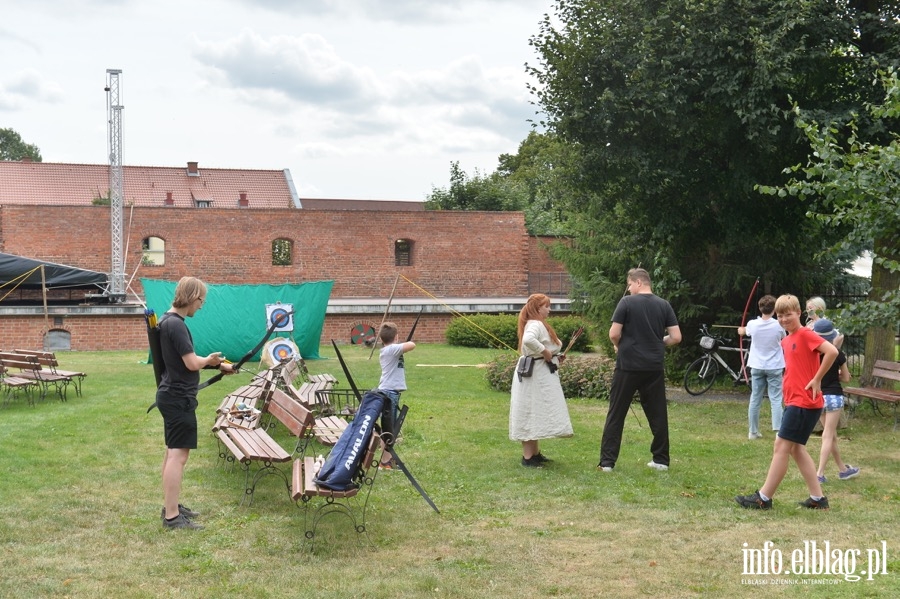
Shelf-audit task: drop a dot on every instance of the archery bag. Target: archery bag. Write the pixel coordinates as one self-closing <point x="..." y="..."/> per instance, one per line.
<point x="341" y="467"/>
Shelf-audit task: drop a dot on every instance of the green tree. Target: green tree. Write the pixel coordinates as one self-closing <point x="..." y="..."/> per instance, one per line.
<point x="12" y="147"/>
<point x="676" y="109"/>
<point x="478" y="192"/>
<point x="851" y="182"/>
<point x="544" y="166"/>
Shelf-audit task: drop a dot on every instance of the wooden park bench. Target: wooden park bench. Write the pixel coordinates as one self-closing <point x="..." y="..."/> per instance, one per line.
<point x="29" y="367"/>
<point x="48" y="359"/>
<point x="334" y="409"/>
<point x="13" y="384"/>
<point x="886" y="375"/>
<point x="352" y="502"/>
<point x="246" y="444"/>
<point x="249" y="395"/>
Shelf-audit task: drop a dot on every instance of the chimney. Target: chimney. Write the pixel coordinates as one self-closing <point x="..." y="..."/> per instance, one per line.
<point x="243" y="202"/>
<point x="193" y="170"/>
<point x="170" y="201"/>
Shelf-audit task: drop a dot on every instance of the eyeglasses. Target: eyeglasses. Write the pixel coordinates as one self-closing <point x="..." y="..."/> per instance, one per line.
<point x="202" y="300"/>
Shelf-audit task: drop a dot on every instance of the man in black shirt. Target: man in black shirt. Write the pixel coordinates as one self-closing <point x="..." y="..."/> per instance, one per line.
<point x="643" y="326"/>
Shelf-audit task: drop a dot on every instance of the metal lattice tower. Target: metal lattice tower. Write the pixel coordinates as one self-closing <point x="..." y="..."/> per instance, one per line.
<point x="114" y="114"/>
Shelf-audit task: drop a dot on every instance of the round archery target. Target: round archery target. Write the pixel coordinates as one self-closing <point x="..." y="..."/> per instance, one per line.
<point x="281" y="315"/>
<point x="361" y="333"/>
<point x="278" y="350"/>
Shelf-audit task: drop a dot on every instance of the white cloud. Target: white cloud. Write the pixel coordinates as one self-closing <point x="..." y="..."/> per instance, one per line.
<point x="26" y="87"/>
<point x="369" y="98"/>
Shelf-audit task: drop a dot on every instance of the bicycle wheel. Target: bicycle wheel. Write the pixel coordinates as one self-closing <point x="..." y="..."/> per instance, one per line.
<point x="700" y="375"/>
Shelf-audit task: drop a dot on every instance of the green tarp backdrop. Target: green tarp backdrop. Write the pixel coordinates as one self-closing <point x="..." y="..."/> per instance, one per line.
<point x="234" y="319"/>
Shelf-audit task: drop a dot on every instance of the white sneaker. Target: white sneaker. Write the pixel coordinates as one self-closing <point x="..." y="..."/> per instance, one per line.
<point x="656" y="466"/>
<point x="605" y="468"/>
<point x="754" y="436"/>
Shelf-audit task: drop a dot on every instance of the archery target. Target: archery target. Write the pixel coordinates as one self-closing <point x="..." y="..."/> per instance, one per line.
<point x="282" y="315"/>
<point x="278" y="349"/>
<point x="361" y="333"/>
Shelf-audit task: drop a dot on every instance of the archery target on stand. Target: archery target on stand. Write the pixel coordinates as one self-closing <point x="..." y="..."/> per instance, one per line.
<point x="282" y="315"/>
<point x="277" y="350"/>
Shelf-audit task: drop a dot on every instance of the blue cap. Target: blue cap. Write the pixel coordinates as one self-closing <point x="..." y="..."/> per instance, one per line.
<point x="825" y="329"/>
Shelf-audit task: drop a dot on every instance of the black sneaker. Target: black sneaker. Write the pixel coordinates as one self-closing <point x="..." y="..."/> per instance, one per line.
<point x="184" y="511"/>
<point x="541" y="458"/>
<point x="813" y="504"/>
<point x="180" y="521"/>
<point x="753" y="502"/>
<point x="532" y="462"/>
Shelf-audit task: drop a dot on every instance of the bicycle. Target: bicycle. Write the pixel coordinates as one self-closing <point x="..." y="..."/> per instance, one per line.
<point x="702" y="373"/>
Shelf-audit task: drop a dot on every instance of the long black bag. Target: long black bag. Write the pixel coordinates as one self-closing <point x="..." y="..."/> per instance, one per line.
<point x="339" y="471"/>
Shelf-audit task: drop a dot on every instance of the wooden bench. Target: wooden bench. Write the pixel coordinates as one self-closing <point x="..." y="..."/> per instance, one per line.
<point x="13" y="384"/>
<point x="249" y="445"/>
<point x="249" y="395"/>
<point x="29" y="367"/>
<point x="352" y="502"/>
<point x="335" y="408"/>
<point x="885" y="375"/>
<point x="48" y="360"/>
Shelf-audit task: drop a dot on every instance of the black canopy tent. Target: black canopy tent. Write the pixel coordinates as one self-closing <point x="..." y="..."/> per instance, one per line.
<point x="55" y="276"/>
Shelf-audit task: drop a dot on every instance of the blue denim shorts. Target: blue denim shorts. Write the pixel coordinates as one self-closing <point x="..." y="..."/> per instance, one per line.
<point x="833" y="403"/>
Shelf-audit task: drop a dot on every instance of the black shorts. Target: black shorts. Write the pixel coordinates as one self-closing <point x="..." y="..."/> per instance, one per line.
<point x="179" y="420"/>
<point x="797" y="424"/>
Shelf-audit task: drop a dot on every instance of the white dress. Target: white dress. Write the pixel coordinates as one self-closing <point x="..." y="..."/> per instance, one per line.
<point x="538" y="407"/>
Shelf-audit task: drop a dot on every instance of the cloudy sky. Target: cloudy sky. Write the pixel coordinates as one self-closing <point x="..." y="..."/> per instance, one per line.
<point x="358" y="98"/>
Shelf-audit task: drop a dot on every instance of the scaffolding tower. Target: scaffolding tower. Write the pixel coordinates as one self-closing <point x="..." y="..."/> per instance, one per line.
<point x="116" y="290"/>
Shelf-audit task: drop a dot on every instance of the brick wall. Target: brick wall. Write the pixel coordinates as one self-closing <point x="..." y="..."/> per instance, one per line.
<point x="454" y="255"/>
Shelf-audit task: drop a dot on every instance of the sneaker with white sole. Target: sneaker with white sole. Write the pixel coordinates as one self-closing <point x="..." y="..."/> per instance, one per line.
<point x="754" y="436"/>
<point x="605" y="468"/>
<point x="655" y="466"/>
<point x="849" y="473"/>
<point x="822" y="479"/>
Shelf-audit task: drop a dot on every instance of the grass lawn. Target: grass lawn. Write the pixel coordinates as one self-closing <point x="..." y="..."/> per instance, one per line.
<point x="80" y="500"/>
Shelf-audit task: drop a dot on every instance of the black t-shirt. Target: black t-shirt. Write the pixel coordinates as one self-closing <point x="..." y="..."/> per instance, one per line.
<point x="176" y="341"/>
<point x="644" y="318"/>
<point x="831" y="381"/>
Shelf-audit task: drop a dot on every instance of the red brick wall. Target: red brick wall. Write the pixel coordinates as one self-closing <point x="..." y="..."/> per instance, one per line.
<point x="455" y="254"/>
<point x="88" y="333"/>
<point x="539" y="259"/>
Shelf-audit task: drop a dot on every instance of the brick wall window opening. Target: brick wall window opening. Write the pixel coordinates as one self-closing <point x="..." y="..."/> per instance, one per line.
<point x="403" y="252"/>
<point x="154" y="251"/>
<point x="57" y="340"/>
<point x="282" y="250"/>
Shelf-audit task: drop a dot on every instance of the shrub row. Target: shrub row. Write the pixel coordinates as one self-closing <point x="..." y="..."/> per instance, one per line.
<point x="499" y="331"/>
<point x="587" y="376"/>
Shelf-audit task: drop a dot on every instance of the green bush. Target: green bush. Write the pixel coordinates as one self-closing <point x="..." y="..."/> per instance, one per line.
<point x="497" y="331"/>
<point x="587" y="376"/>
<point x="500" y="331"/>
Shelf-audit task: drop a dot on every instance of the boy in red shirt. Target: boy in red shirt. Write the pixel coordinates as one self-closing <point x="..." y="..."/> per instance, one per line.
<point x="803" y="401"/>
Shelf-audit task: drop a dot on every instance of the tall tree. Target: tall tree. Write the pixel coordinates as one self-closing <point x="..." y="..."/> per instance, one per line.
<point x="12" y="147"/>
<point x="851" y="181"/>
<point x="677" y="109"/>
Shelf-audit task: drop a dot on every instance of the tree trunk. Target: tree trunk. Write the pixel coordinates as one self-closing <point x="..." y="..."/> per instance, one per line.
<point x="881" y="342"/>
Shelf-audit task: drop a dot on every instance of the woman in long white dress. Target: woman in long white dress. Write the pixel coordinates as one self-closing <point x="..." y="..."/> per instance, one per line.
<point x="537" y="406"/>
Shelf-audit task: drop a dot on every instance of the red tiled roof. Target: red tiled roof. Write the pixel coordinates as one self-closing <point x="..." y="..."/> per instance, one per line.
<point x="53" y="184"/>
